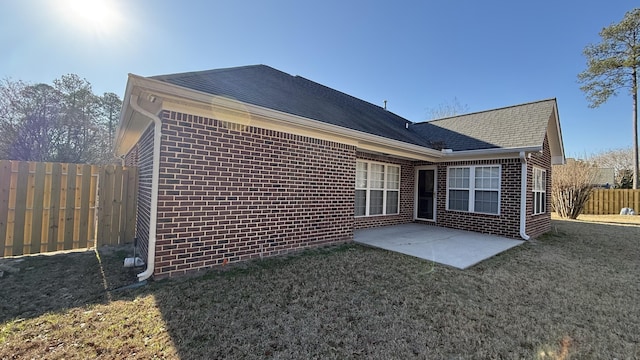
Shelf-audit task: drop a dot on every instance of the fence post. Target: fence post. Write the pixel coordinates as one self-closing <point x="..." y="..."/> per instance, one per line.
<point x="20" y="208"/>
<point x="5" y="178"/>
<point x="85" y="182"/>
<point x="37" y="208"/>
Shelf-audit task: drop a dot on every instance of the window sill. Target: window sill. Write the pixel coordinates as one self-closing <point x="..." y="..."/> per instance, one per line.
<point x="473" y="212"/>
<point x="371" y="216"/>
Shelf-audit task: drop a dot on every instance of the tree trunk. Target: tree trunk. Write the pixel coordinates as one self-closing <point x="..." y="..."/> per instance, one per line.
<point x="634" y="89"/>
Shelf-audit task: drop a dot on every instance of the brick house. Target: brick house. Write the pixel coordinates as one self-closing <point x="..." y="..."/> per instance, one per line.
<point x="248" y="162"/>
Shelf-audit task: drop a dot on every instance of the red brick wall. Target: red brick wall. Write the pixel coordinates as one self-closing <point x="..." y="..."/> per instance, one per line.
<point x="229" y="193"/>
<point x="142" y="156"/>
<point x="506" y="224"/>
<point x="539" y="224"/>
<point x="406" y="193"/>
<point x="131" y="159"/>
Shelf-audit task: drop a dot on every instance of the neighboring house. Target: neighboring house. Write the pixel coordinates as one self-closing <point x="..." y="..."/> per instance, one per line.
<point x="603" y="177"/>
<point x="247" y="162"/>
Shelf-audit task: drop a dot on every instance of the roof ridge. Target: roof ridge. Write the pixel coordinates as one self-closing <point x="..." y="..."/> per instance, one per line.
<point x="488" y="110"/>
<point x="211" y="71"/>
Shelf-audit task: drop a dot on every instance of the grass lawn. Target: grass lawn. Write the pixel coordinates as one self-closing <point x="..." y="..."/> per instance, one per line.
<point x="573" y="294"/>
<point x="610" y="219"/>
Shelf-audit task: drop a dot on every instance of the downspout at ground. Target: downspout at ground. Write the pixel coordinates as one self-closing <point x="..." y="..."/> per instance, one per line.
<point x="523" y="197"/>
<point x="155" y="176"/>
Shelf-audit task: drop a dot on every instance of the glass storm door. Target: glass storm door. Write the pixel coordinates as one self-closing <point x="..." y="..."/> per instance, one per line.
<point x="426" y="194"/>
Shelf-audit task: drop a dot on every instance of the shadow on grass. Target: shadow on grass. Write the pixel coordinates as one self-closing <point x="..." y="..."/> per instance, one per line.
<point x="573" y="291"/>
<point x="533" y="301"/>
<point x="34" y="285"/>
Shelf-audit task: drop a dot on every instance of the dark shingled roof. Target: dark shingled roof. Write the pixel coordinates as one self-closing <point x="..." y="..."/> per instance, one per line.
<point x="270" y="88"/>
<point x="515" y="126"/>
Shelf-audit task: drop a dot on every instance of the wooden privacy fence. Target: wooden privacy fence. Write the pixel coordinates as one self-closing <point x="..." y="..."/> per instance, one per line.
<point x="610" y="201"/>
<point x="47" y="207"/>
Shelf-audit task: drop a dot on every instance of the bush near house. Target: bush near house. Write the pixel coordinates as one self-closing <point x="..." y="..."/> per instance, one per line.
<point x="571" y="186"/>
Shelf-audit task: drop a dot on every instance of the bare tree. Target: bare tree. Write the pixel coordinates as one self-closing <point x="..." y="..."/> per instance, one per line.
<point x="447" y="109"/>
<point x="28" y="119"/>
<point x="571" y="186"/>
<point x="63" y="122"/>
<point x="621" y="161"/>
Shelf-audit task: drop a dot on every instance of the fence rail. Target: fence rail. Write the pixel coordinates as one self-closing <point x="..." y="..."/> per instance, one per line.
<point x="610" y="201"/>
<point x="47" y="207"/>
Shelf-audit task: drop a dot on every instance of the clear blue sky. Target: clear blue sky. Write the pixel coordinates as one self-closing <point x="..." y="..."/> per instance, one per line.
<point x="415" y="54"/>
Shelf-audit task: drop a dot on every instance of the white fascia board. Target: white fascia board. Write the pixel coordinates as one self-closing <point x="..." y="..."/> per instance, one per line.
<point x="125" y="116"/>
<point x="199" y="103"/>
<point x="557" y="159"/>
<point x="499" y="153"/>
<point x="360" y="139"/>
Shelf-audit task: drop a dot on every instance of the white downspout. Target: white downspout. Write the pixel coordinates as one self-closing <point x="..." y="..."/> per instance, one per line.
<point x="523" y="197"/>
<point x="155" y="176"/>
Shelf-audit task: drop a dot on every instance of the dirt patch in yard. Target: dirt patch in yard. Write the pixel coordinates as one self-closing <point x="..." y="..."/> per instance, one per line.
<point x="571" y="294"/>
<point x="34" y="285"/>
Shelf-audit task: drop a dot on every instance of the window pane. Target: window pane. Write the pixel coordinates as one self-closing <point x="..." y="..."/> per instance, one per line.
<point x="377" y="176"/>
<point x="375" y="203"/>
<point x="459" y="200"/>
<point x="539" y="181"/>
<point x="486" y="201"/>
<point x="361" y="175"/>
<point x="361" y="202"/>
<point x="393" y="177"/>
<point x="392" y="202"/>
<point x="487" y="177"/>
<point x="459" y="177"/>
<point x="539" y="203"/>
<point x="465" y="176"/>
<point x="543" y="181"/>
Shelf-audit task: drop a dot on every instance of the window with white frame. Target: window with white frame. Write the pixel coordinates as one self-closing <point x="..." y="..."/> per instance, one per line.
<point x="539" y="191"/>
<point x="377" y="189"/>
<point x="474" y="189"/>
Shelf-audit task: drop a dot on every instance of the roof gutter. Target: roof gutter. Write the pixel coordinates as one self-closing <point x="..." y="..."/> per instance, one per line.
<point x="287" y="119"/>
<point x="155" y="175"/>
<point x="493" y="151"/>
<point x="523" y="197"/>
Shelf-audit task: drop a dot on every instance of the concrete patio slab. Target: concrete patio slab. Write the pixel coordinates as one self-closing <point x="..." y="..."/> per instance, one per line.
<point x="457" y="248"/>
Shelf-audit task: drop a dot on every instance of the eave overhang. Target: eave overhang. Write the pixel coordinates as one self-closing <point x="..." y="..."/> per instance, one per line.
<point x="155" y="96"/>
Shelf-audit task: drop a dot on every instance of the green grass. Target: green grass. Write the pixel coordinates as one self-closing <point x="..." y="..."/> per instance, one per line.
<point x="572" y="294"/>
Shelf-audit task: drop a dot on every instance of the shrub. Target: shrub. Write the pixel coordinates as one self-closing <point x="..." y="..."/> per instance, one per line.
<point x="571" y="186"/>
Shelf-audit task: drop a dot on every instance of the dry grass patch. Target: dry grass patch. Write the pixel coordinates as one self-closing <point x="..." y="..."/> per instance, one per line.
<point x="609" y="219"/>
<point x="572" y="294"/>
